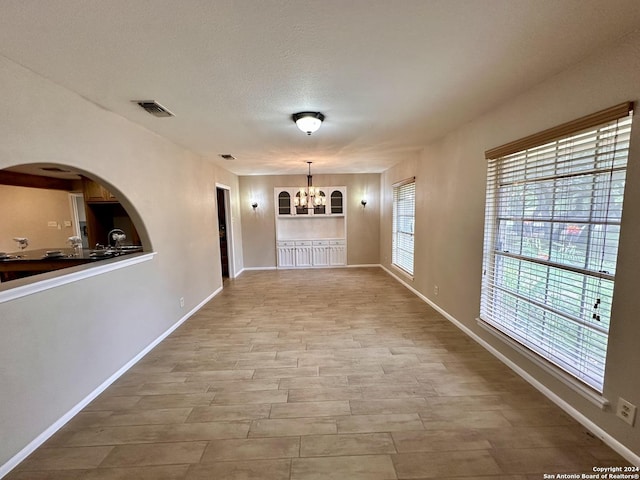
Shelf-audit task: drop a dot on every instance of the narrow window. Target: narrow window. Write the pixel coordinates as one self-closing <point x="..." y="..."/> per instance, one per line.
<point x="404" y="202"/>
<point x="553" y="210"/>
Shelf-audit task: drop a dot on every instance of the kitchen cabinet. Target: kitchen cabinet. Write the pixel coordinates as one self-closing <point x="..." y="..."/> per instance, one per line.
<point x="286" y="254"/>
<point x="94" y="192"/>
<point x="102" y="217"/>
<point x="332" y="204"/>
<point x="283" y="202"/>
<point x="337" y="252"/>
<point x="304" y="254"/>
<point x="312" y="238"/>
<point x="321" y="253"/>
<point x="311" y="253"/>
<point x="336" y="200"/>
<point x="104" y="213"/>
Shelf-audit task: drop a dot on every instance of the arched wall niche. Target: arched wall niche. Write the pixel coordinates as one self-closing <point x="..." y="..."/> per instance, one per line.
<point x="48" y="203"/>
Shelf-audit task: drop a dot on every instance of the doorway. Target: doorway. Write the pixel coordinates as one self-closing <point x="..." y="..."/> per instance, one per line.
<point x="79" y="218"/>
<point x="224" y="230"/>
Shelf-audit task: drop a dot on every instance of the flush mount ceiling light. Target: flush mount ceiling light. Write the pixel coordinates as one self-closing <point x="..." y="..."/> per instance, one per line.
<point x="308" y="122"/>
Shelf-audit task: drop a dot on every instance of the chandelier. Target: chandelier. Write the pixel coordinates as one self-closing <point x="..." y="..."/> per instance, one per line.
<point x="310" y="197"/>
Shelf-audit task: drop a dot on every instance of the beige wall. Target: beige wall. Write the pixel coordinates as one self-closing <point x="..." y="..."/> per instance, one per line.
<point x="57" y="346"/>
<point x="450" y="188"/>
<point x="26" y="212"/>
<point x="259" y="229"/>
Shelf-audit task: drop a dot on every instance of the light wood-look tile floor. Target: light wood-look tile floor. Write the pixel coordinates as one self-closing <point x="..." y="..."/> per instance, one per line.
<point x="326" y="374"/>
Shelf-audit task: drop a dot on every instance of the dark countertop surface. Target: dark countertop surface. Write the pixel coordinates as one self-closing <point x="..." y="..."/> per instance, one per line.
<point x="17" y="265"/>
<point x="64" y="255"/>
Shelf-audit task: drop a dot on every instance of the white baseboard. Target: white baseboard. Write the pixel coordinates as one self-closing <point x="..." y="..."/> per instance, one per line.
<point x="58" y="424"/>
<point x="361" y="265"/>
<point x="563" y="404"/>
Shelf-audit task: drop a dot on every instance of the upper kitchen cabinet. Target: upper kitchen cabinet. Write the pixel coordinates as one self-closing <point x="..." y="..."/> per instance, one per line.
<point x="105" y="213"/>
<point x="283" y="201"/>
<point x="327" y="201"/>
<point x="337" y="202"/>
<point x="94" y="192"/>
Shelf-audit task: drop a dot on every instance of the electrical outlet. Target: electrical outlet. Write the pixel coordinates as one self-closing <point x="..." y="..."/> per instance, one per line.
<point x="181" y="302"/>
<point x="626" y="411"/>
<point x="436" y="290"/>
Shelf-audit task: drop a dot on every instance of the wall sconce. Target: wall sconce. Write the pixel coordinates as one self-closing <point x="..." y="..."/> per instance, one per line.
<point x="363" y="202"/>
<point x="254" y="205"/>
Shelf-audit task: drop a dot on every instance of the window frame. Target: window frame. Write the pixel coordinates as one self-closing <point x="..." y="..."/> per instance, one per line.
<point x="403" y="226"/>
<point x="507" y="322"/>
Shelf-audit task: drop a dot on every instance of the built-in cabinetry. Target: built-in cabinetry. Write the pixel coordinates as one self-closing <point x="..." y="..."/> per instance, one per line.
<point x="329" y="201"/>
<point x="311" y="237"/>
<point x="94" y="192"/>
<point x="312" y="253"/>
<point x="104" y="213"/>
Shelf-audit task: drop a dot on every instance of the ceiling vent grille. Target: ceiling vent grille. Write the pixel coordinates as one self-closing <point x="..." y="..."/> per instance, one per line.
<point x="154" y="108"/>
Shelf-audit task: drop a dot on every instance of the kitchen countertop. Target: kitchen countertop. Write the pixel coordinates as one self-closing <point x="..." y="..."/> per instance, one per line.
<point x="32" y="262"/>
<point x="66" y="255"/>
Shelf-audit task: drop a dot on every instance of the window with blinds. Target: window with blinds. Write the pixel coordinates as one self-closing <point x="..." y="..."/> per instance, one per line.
<point x="554" y="204"/>
<point x="404" y="206"/>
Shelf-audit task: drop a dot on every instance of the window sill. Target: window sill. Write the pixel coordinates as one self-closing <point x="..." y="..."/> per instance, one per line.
<point x="27" y="286"/>
<point x="581" y="389"/>
<point x="402" y="272"/>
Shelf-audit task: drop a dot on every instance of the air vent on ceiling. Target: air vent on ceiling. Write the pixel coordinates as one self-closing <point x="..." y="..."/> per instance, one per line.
<point x="154" y="108"/>
<point x="227" y="156"/>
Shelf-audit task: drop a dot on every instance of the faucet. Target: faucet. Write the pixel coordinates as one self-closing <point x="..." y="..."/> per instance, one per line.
<point x="118" y="236"/>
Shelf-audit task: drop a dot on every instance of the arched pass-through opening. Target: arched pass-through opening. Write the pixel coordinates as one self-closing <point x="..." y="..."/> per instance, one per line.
<point x="57" y="217"/>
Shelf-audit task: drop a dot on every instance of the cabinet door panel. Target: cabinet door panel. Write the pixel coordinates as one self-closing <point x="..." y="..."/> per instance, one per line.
<point x="303" y="257"/>
<point x="337" y="255"/>
<point x="320" y="256"/>
<point x="286" y="257"/>
<point x="284" y="203"/>
<point x="94" y="192"/>
<point x="336" y="202"/>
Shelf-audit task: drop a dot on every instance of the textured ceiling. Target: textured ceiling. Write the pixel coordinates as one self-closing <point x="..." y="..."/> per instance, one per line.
<point x="389" y="75"/>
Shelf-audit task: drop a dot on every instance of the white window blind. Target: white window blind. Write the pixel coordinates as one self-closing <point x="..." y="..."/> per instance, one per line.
<point x="551" y="241"/>
<point x="404" y="206"/>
